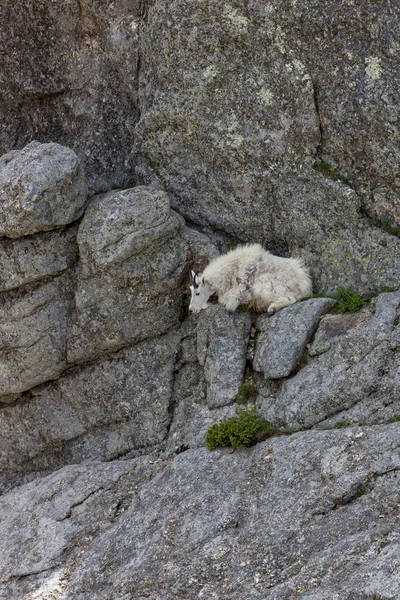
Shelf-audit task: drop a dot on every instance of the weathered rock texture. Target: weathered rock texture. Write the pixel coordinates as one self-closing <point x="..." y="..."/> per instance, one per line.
<point x="33" y="342"/>
<point x="265" y="122"/>
<point x="222" y="339"/>
<point x="284" y="336"/>
<point x="100" y="411"/>
<point x="30" y="258"/>
<point x="240" y="99"/>
<point x="69" y="74"/>
<point x="42" y="187"/>
<point x="312" y="516"/>
<point x="131" y="255"/>
<point x="353" y="378"/>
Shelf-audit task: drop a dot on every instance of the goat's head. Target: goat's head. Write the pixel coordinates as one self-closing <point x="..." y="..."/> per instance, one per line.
<point x="201" y="291"/>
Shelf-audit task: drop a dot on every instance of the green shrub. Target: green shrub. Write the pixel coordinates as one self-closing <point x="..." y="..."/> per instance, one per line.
<point x="243" y="430"/>
<point x="247" y="392"/>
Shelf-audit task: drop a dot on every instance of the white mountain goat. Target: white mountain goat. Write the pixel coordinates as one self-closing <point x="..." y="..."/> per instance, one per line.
<point x="250" y="274"/>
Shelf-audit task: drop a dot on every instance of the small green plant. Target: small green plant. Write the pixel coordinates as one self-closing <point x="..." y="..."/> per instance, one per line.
<point x="230" y="246"/>
<point x="341" y="424"/>
<point x="387" y="226"/>
<point x="362" y="490"/>
<point x="245" y="429"/>
<point x="330" y="171"/>
<point x="394" y="419"/>
<point x="349" y="301"/>
<point x="303" y="361"/>
<point x="247" y="392"/>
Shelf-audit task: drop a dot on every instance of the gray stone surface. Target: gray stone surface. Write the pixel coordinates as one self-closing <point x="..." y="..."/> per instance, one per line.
<point x="69" y="75"/>
<point x="98" y="411"/>
<point x="131" y="255"/>
<point x="240" y="100"/>
<point x="191" y="417"/>
<point x="310" y="516"/>
<point x="33" y="257"/>
<point x="42" y="187"/>
<point x="333" y="327"/>
<point x="283" y="337"/>
<point x="33" y="334"/>
<point x="362" y="258"/>
<point x="222" y="339"/>
<point x="358" y="376"/>
<point x="46" y="521"/>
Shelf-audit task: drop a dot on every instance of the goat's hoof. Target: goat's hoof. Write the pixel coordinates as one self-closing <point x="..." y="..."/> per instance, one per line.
<point x="271" y="311"/>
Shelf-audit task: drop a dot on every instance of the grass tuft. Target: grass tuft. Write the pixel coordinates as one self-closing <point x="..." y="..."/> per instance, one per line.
<point x="330" y="171"/>
<point x="341" y="424"/>
<point x="349" y="301"/>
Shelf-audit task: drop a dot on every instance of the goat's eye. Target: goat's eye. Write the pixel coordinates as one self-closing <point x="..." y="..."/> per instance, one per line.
<point x="197" y="293"/>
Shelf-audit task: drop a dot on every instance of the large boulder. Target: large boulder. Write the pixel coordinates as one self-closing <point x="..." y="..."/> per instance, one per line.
<point x="42" y="187"/>
<point x="70" y="76"/>
<point x="132" y="251"/>
<point x="283" y="337"/>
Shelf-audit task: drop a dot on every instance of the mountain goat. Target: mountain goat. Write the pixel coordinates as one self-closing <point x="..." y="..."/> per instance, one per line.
<point x="251" y="274"/>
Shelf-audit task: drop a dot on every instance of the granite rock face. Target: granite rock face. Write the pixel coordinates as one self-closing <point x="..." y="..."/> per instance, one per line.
<point x="222" y="339"/>
<point x="33" y="326"/>
<point x="241" y="101"/>
<point x="131" y="255"/>
<point x="35" y="257"/>
<point x="96" y="412"/>
<point x="72" y="507"/>
<point x="42" y="187"/>
<point x="284" y="336"/>
<point x="354" y="378"/>
<point x="311" y="516"/>
<point x="69" y="75"/>
<point x="259" y="122"/>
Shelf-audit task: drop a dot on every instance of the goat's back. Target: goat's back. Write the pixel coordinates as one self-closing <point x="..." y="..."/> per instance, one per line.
<point x="251" y="264"/>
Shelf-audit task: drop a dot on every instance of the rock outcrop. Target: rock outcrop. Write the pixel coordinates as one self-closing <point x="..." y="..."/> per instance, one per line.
<point x="353" y="379"/>
<point x="42" y="187"/>
<point x="69" y="75"/>
<point x="231" y="121"/>
<point x="311" y="516"/>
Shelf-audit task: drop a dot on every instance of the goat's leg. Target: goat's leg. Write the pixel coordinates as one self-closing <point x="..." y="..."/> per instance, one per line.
<point x="279" y="303"/>
<point x="230" y="302"/>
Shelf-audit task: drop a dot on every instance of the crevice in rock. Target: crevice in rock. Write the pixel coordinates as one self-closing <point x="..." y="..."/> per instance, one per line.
<point x="381" y="224"/>
<point x="19" y="576"/>
<point x="359" y="489"/>
<point x="69" y="513"/>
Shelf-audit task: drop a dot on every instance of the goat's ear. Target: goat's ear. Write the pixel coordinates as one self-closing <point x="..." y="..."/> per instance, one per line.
<point x="198" y="280"/>
<point x="192" y="275"/>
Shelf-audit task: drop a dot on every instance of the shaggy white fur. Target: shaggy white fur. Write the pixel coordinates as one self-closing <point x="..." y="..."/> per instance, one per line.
<point x="251" y="274"/>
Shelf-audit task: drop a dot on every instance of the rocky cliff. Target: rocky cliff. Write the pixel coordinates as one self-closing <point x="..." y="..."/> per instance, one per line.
<point x="140" y="138"/>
